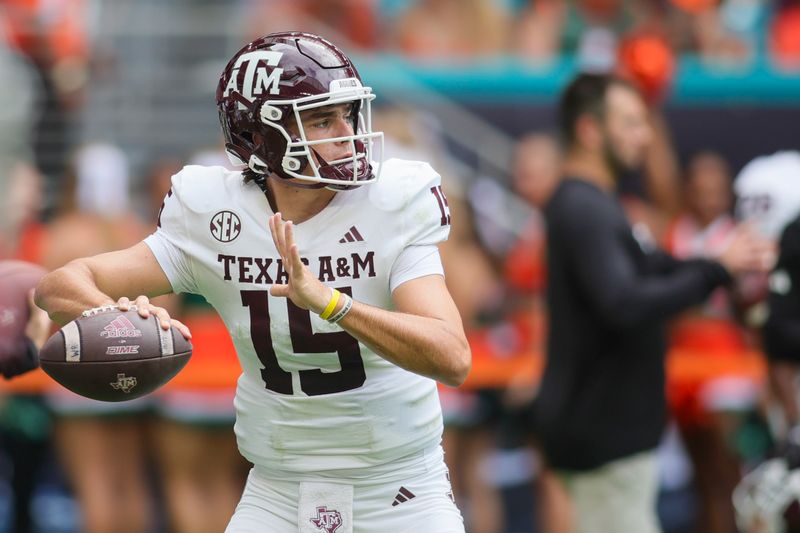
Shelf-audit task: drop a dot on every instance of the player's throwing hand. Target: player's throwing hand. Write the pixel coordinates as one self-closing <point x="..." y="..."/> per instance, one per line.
<point x="145" y="309"/>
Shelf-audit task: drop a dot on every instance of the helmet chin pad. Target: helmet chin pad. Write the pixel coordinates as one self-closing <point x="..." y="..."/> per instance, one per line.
<point x="350" y="169"/>
<point x="350" y="175"/>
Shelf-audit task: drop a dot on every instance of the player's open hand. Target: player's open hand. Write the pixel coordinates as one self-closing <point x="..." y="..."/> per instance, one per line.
<point x="303" y="288"/>
<point x="145" y="309"/>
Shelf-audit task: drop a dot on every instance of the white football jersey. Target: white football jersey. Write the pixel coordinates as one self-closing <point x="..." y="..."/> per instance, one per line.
<point x="311" y="398"/>
<point x="768" y="192"/>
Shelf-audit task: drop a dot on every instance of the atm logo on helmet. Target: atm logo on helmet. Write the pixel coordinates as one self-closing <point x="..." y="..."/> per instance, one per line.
<point x="257" y="79"/>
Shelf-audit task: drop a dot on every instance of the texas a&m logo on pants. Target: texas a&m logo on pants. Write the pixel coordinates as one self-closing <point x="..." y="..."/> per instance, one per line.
<point x="327" y="520"/>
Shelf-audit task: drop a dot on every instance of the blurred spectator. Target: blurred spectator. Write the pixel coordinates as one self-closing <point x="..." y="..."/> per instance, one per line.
<point x="646" y="59"/>
<point x="20" y="194"/>
<point x="25" y="421"/>
<point x="766" y="499"/>
<point x="53" y="36"/>
<point x="442" y="29"/>
<point x="536" y="169"/>
<point x="22" y="202"/>
<point x="589" y="28"/>
<point x="768" y="198"/>
<point x="717" y="43"/>
<point x="725" y="33"/>
<point x="782" y="328"/>
<point x="784" y="42"/>
<point x="351" y="21"/>
<point x="613" y="16"/>
<point x="536" y="174"/>
<point x="719" y="32"/>
<point x="19" y="93"/>
<point x="601" y="406"/>
<point x="709" y="337"/>
<point x="101" y="445"/>
<point x="537" y="31"/>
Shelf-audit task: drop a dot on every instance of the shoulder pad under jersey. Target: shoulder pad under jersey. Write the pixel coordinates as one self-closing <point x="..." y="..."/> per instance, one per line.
<point x="400" y="182"/>
<point x="202" y="189"/>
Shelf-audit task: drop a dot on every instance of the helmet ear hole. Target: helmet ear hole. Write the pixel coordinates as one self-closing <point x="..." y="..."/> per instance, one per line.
<point x="270" y="113"/>
<point x="291" y="163"/>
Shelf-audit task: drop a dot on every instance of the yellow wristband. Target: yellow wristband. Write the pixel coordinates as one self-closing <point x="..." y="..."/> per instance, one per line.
<point x="331" y="305"/>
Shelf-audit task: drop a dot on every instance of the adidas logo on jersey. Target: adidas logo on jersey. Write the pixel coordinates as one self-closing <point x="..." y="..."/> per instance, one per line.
<point x="403" y="495"/>
<point x="352" y="235"/>
<point x="120" y="327"/>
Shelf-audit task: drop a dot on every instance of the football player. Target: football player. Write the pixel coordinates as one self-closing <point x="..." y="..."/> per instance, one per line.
<point x="330" y="284"/>
<point x="768" y="197"/>
<point x="767" y="499"/>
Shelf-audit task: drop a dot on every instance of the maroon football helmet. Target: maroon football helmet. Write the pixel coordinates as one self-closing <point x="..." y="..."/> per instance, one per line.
<point x="264" y="88"/>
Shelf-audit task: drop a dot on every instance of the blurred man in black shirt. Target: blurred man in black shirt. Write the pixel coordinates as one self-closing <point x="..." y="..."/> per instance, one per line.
<point x="601" y="406"/>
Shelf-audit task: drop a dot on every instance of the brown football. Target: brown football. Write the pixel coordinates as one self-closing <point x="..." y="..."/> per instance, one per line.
<point x="112" y="355"/>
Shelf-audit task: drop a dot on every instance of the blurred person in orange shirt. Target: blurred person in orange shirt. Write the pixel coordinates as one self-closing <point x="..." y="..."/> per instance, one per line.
<point x="784" y="37"/>
<point x="706" y="408"/>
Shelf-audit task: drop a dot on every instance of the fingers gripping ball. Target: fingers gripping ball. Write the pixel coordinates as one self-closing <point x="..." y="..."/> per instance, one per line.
<point x="112" y="355"/>
<point x="17" y="278"/>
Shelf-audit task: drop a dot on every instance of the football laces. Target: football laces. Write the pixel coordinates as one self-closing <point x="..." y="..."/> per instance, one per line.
<point x="104" y="309"/>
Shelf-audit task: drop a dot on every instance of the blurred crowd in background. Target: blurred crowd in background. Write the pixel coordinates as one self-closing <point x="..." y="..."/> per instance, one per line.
<point x="101" y="101"/>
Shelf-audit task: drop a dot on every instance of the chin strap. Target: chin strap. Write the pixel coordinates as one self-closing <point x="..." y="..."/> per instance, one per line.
<point x="260" y="179"/>
<point x="298" y="184"/>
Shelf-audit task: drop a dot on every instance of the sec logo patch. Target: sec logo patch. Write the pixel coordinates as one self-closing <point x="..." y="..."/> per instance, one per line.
<point x="225" y="226"/>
